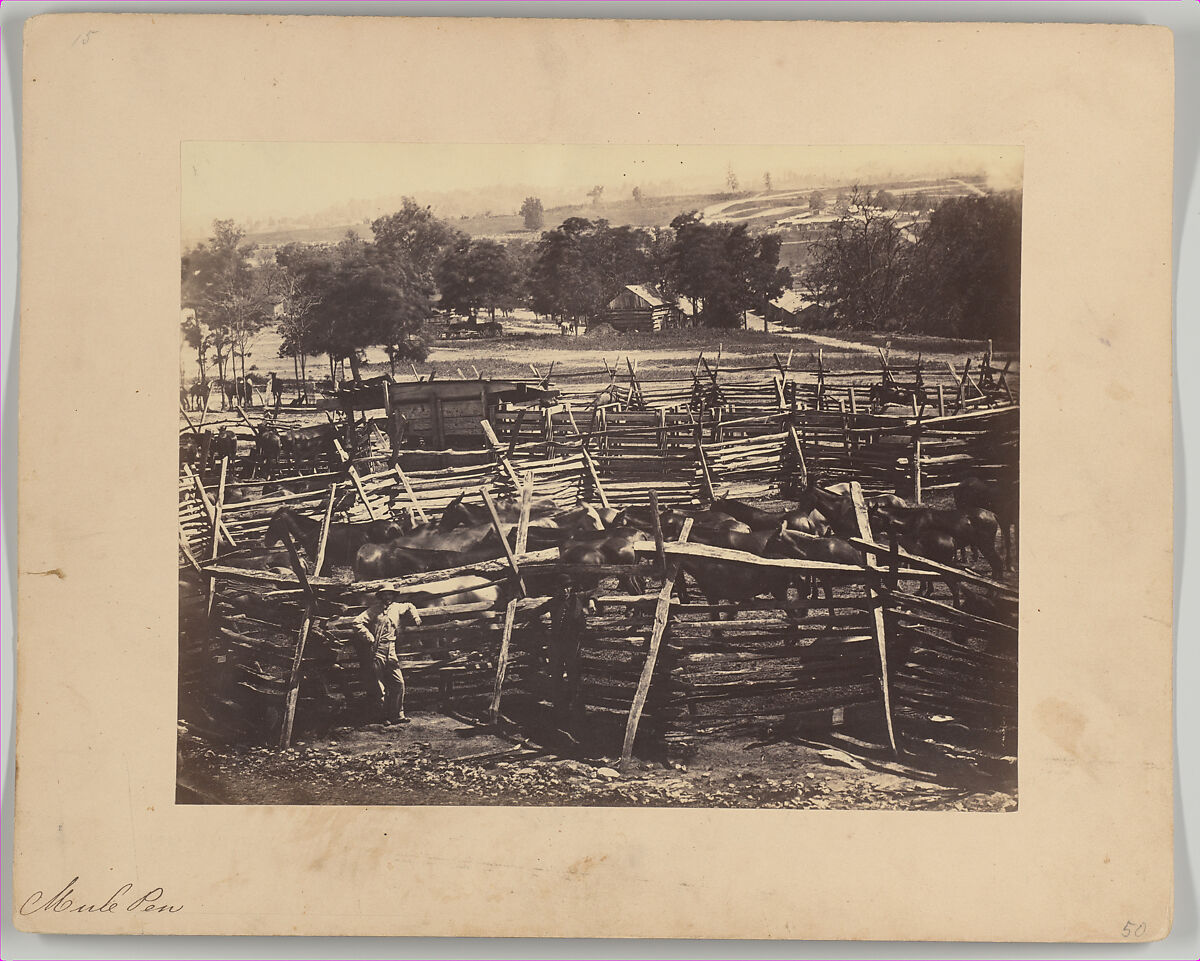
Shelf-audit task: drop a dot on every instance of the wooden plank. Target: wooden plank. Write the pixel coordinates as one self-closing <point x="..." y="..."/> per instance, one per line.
<point x="187" y="551"/>
<point x="658" y="534"/>
<point x="705" y="475"/>
<point x="208" y="507"/>
<point x="417" y="508"/>
<point x="916" y="464"/>
<point x="799" y="454"/>
<point x="494" y="443"/>
<point x="320" y="558"/>
<point x="864" y="529"/>
<point x="297" y="568"/>
<point x="362" y="493"/>
<point x="510" y="613"/>
<point x="294" y="676"/>
<point x="508" y="554"/>
<point x="661" y="618"/>
<point x="591" y="468"/>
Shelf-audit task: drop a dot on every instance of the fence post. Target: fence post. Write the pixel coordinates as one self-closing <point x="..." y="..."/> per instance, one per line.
<point x="293" y="691"/>
<point x="916" y="462"/>
<point x="877" y="628"/>
<point x="510" y="612"/>
<point x="508" y="554"/>
<point x="662" y="613"/>
<point x="591" y="469"/>
<point x="706" y="477"/>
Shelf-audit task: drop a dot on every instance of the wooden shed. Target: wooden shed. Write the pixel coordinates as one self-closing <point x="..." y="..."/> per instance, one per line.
<point x="637" y="307"/>
<point x="441" y="413"/>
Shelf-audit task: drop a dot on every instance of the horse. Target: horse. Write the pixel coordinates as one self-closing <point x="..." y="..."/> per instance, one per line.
<point x="462" y="589"/>
<point x="830" y="550"/>
<point x="342" y="543"/>
<point x="275" y="389"/>
<point x="198" y="394"/>
<point x="836" y="509"/>
<point x="760" y="520"/>
<point x="376" y="561"/>
<point x="1002" y="499"/>
<point x="267" y="448"/>
<point x="225" y="445"/>
<point x="305" y="444"/>
<point x="458" y="514"/>
<point x="727" y="580"/>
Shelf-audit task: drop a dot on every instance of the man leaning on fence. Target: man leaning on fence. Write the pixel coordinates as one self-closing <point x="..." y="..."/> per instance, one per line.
<point x="379" y="626"/>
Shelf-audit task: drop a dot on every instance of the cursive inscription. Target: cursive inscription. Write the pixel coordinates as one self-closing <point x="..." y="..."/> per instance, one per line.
<point x="122" y="899"/>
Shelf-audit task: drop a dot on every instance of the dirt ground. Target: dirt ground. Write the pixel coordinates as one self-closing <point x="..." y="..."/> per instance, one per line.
<point x="440" y="760"/>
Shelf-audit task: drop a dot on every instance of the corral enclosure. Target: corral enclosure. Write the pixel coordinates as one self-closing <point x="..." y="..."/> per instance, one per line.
<point x="623" y="661"/>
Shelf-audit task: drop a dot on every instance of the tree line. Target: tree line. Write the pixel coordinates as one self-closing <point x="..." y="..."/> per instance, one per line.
<point x="339" y="299"/>
<point x="958" y="275"/>
<point x="873" y="268"/>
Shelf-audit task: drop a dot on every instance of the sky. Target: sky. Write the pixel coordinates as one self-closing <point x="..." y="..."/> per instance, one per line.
<point x="259" y="180"/>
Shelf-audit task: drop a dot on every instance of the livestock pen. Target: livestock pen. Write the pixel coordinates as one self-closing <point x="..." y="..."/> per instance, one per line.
<point x="601" y="657"/>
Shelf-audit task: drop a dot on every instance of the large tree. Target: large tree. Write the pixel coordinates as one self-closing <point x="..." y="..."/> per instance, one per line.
<point x="965" y="276"/>
<point x="723" y="270"/>
<point x="582" y="264"/>
<point x="859" y="267"/>
<point x="221" y="286"/>
<point x="475" y="274"/>
<point x="533" y="214"/>
<point x="362" y="298"/>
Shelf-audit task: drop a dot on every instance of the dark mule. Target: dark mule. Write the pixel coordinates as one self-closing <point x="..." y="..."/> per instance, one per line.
<point x="342" y="544"/>
<point x="305" y="445"/>
<point x="1002" y="498"/>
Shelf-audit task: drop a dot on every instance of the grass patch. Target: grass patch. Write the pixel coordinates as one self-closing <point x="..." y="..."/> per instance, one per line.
<point x="918" y="342"/>
<point x="697" y="339"/>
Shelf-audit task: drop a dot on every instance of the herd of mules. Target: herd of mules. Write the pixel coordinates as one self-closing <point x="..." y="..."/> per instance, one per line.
<point x="818" y="528"/>
<point x="299" y="447"/>
<point x="248" y="391"/>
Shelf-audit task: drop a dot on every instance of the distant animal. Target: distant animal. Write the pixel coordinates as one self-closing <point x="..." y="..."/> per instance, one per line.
<point x="198" y="394"/>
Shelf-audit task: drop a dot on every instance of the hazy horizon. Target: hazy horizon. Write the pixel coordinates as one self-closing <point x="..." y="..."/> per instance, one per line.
<point x="295" y="182"/>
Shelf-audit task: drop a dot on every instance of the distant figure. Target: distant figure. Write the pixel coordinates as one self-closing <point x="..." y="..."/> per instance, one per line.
<point x="378" y="627"/>
<point x="564" y="328"/>
<point x="275" y="388"/>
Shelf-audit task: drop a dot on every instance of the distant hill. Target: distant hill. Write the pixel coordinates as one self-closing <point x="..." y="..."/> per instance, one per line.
<point x="759" y="210"/>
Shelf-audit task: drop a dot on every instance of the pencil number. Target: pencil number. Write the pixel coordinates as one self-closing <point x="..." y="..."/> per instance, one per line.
<point x="1133" y="929"/>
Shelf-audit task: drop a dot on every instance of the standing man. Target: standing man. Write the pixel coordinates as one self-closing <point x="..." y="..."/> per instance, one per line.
<point x="378" y="626"/>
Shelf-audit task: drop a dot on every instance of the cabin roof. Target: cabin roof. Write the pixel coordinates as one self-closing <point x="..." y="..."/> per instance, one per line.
<point x="645" y="293"/>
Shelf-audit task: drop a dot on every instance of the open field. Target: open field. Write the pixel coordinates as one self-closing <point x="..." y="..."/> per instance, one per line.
<point x="662" y="355"/>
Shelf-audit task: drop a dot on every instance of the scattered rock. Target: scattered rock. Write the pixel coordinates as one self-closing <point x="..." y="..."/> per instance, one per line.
<point x="608" y="772"/>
